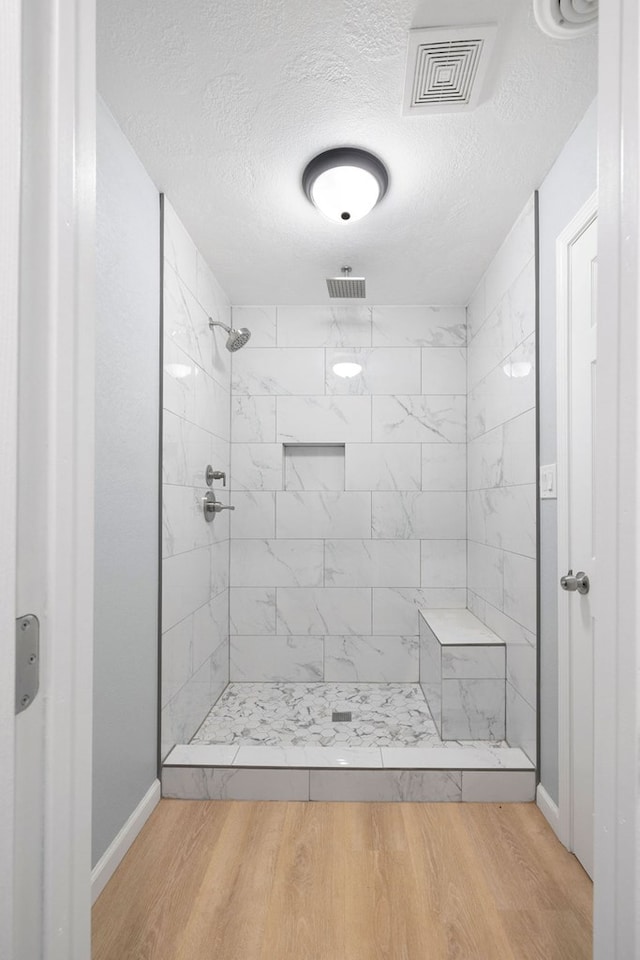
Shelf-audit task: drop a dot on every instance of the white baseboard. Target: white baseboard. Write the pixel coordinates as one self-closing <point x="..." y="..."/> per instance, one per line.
<point x="106" y="865"/>
<point x="549" y="809"/>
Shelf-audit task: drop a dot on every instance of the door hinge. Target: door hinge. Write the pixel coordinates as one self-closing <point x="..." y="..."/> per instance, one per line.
<point x="27" y="661"/>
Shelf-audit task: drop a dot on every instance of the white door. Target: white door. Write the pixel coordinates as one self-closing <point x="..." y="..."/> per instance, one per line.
<point x="578" y="580"/>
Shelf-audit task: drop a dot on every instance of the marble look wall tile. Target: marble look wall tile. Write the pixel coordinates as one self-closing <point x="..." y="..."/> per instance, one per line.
<point x="418" y="516"/>
<point x="521" y="723"/>
<point x="186" y="585"/>
<point x="372" y="563"/>
<point x="252" y="610"/>
<point x="371" y="659"/>
<point x="256" y="466"/>
<point x="202" y="755"/>
<point x="498" y="786"/>
<point x="444" y="466"/>
<point x="219" y="553"/>
<point x="522" y="670"/>
<point x="253" y="419"/>
<point x="410" y="419"/>
<point x="178" y="380"/>
<point x="212" y="405"/>
<point x="519" y="462"/>
<point x="179" y="249"/>
<point x="341" y="325"/>
<point x="430" y="655"/>
<point x="210" y="629"/>
<point x="384" y="371"/>
<point x="508" y="391"/>
<point x="419" y="326"/>
<point x="185" y="321"/>
<point x="520" y="590"/>
<point x="384" y="466"/>
<point x="515" y="253"/>
<point x="443" y="564"/>
<point x="385" y="785"/>
<point x="473" y="710"/>
<point x="506" y="628"/>
<point x="260" y="320"/>
<point x="187" y="449"/>
<point x="504" y="517"/>
<point x="395" y="610"/>
<point x="444" y="370"/>
<point x="309" y="756"/>
<point x="233" y="783"/>
<point x="476" y="311"/>
<point x="324" y="419"/>
<point x="279" y="563"/>
<point x="276" y="658"/>
<point x="314" y="467"/>
<point x="473" y="662"/>
<point x="328" y="610"/>
<point x="184" y="713"/>
<point x="304" y="514"/>
<point x="278" y="372"/>
<point x="183" y="524"/>
<point x="486" y="757"/>
<point x="177" y="658"/>
<point x="486" y="572"/>
<point x="254" y="517"/>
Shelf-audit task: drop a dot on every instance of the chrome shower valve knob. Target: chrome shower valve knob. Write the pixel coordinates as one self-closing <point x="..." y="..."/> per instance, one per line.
<point x="211" y="506"/>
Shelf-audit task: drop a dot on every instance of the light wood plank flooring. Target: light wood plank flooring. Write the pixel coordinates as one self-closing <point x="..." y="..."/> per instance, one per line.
<point x="345" y="881"/>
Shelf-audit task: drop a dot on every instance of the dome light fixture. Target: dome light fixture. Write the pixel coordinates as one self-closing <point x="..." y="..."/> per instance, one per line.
<point x="346" y="183"/>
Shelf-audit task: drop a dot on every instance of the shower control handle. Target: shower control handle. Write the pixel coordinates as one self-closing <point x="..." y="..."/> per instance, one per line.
<point x="211" y="506"/>
<point x="211" y="475"/>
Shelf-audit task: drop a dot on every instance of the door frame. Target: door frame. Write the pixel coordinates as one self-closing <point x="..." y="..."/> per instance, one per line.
<point x="574" y="229"/>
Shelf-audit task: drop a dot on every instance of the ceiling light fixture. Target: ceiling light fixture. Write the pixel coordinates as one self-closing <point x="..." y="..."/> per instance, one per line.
<point x="345" y="183"/>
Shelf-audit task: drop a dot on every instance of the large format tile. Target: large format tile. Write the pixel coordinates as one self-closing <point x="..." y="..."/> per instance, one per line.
<point x="186" y="585"/>
<point x="260" y="320"/>
<point x="486" y="572"/>
<point x="443" y="564"/>
<point x="324" y="610"/>
<point x="520" y="595"/>
<point x="278" y="372"/>
<point x="256" y="466"/>
<point x="333" y="325"/>
<point x="179" y="249"/>
<point x="371" y="659"/>
<point x="473" y="662"/>
<point x="504" y="517"/>
<point x="444" y="370"/>
<point x="186" y="323"/>
<point x="419" y="419"/>
<point x="383" y="466"/>
<point x="384" y="371"/>
<point x="499" y="786"/>
<point x="506" y="392"/>
<point x="186" y="451"/>
<point x="177" y="658"/>
<point x="202" y="755"/>
<point x="233" y="783"/>
<point x="314" y="467"/>
<point x="210" y="630"/>
<point x="372" y="563"/>
<point x="418" y="516"/>
<point x="252" y="610"/>
<point x="516" y="251"/>
<point x="521" y="723"/>
<point x="396" y="609"/>
<point x="473" y="709"/>
<point x="253" y="419"/>
<point x="276" y="658"/>
<point x="385" y="785"/>
<point x="254" y="516"/>
<point x="324" y="419"/>
<point x="444" y="466"/>
<point x="277" y="563"/>
<point x="419" y="326"/>
<point x="323" y="514"/>
<point x="309" y="756"/>
<point x="458" y="756"/>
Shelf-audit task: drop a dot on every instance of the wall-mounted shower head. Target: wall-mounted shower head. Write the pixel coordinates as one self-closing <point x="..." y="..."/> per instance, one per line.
<point x="236" y="338"/>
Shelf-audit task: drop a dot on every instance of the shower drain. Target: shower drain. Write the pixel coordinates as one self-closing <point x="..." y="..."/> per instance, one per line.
<point x="341" y="716"/>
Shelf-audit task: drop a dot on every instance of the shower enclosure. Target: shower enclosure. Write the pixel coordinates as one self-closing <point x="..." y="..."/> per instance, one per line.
<point x="374" y="588"/>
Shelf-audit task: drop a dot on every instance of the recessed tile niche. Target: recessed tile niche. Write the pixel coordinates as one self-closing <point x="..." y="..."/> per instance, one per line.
<point x="310" y="466"/>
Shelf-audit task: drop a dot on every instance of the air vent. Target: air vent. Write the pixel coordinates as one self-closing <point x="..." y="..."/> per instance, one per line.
<point x="346" y="287"/>
<point x="566" y="19"/>
<point x="446" y="67"/>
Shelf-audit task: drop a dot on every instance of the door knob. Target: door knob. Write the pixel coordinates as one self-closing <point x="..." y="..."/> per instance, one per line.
<point x="580" y="582"/>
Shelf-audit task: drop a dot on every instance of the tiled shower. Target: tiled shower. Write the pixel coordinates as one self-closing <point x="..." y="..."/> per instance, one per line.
<point x="359" y="501"/>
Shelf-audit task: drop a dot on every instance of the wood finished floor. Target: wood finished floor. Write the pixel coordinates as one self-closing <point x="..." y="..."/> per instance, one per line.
<point x="345" y="881"/>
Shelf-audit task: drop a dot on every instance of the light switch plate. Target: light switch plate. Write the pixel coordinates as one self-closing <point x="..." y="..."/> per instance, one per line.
<point x="548" y="484"/>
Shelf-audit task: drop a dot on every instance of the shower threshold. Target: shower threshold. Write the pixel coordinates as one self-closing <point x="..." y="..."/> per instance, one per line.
<point x="278" y="741"/>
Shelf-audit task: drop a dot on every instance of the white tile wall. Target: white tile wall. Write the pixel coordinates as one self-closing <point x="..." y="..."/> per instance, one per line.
<point x="196" y="417"/>
<point x="501" y="506"/>
<point x="350" y="493"/>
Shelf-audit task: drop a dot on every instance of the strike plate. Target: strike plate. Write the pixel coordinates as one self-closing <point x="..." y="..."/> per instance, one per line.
<point x="27" y="661"/>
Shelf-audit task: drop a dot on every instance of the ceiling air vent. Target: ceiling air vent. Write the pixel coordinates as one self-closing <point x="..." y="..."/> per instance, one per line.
<point x="566" y="19"/>
<point x="446" y="67"/>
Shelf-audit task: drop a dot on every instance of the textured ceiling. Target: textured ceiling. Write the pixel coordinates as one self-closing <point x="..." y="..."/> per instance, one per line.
<point x="225" y="101"/>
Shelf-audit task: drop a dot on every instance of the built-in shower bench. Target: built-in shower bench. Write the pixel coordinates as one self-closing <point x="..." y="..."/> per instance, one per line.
<point x="462" y="675"/>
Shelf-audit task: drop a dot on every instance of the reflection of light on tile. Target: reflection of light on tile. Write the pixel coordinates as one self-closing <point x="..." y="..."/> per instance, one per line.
<point x="518" y="368"/>
<point x="178" y="370"/>
<point x="342" y="762"/>
<point x="347" y="369"/>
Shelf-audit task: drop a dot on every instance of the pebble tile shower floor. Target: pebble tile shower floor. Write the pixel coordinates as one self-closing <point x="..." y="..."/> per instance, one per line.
<point x="300" y="714"/>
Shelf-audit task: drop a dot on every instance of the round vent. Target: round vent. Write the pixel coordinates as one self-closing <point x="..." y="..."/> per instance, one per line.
<point x="565" y="19"/>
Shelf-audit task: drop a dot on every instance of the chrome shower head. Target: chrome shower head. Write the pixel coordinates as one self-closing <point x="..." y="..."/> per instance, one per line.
<point x="235" y="339"/>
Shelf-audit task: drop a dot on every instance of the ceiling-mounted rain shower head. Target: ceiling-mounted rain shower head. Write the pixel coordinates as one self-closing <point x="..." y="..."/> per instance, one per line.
<point x="236" y="338"/>
<point x="346" y="286"/>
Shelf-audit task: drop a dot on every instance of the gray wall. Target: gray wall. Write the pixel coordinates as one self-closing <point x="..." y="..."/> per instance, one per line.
<point x="570" y="182"/>
<point x="127" y="458"/>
